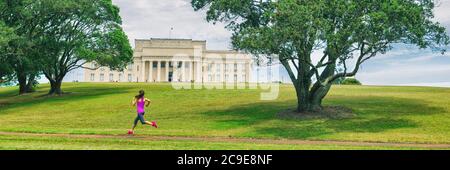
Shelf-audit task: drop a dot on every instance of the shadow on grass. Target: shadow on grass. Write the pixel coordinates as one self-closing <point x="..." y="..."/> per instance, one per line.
<point x="373" y="114"/>
<point x="73" y="94"/>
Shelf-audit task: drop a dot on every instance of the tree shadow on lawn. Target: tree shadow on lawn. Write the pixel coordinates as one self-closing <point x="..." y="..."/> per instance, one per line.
<point x="74" y="94"/>
<point x="372" y="115"/>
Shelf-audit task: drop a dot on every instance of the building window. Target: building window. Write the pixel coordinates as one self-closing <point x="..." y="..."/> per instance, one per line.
<point x="154" y="64"/>
<point x="227" y="78"/>
<point x="92" y="77"/>
<point x="235" y="78"/>
<point x="130" y="77"/>
<point x="209" y="67"/>
<point x="235" y="67"/>
<point x="130" y="67"/>
<point x="226" y="67"/>
<point x="120" y="77"/>
<point x="102" y="77"/>
<point x="218" y="77"/>
<point x="137" y="68"/>
<point x="218" y="67"/>
<point x="111" y="77"/>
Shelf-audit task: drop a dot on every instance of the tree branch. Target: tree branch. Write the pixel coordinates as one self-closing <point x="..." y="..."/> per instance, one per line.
<point x="289" y="70"/>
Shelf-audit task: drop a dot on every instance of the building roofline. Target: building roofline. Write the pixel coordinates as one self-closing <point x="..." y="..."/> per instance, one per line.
<point x="224" y="51"/>
<point x="174" y="39"/>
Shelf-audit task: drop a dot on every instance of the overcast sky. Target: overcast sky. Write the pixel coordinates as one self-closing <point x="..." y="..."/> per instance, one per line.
<point x="143" y="19"/>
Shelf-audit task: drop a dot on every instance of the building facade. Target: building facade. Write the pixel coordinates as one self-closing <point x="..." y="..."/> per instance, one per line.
<point x="176" y="60"/>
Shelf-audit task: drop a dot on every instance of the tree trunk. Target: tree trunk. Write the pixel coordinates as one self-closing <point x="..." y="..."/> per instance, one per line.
<point x="55" y="87"/>
<point x="319" y="91"/>
<point x="311" y="102"/>
<point x="302" y="89"/>
<point x="25" y="82"/>
<point x="30" y="84"/>
<point x="317" y="97"/>
<point x="302" y="101"/>
<point x="22" y="84"/>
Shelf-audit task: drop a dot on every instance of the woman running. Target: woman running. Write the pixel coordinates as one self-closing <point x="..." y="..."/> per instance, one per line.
<point x="141" y="102"/>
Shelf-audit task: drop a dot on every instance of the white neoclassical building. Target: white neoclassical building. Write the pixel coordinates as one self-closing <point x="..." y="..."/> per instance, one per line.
<point x="179" y="60"/>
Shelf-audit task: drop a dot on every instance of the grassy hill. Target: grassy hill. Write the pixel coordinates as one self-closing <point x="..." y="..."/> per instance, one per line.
<point x="382" y="114"/>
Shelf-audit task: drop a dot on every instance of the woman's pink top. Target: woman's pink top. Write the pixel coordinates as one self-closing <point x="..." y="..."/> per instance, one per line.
<point x="141" y="105"/>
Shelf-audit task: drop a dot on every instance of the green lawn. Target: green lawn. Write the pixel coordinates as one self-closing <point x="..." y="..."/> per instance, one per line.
<point x="11" y="142"/>
<point x="383" y="114"/>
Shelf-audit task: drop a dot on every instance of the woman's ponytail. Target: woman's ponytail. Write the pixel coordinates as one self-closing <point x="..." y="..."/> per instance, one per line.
<point x="140" y="95"/>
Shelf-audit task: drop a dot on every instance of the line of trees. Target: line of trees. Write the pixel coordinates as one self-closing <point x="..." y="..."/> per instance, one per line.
<point x="54" y="37"/>
<point x="345" y="30"/>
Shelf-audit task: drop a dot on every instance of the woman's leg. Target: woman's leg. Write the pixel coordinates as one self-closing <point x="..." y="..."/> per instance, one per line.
<point x="135" y="123"/>
<point x="144" y="122"/>
<point x="142" y="119"/>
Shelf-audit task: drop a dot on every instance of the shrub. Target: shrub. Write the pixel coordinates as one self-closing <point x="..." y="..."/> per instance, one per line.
<point x="351" y="81"/>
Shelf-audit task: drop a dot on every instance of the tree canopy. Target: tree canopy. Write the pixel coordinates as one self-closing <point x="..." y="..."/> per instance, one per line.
<point x="80" y="32"/>
<point x="6" y="35"/>
<point x="58" y="36"/>
<point x="17" y="51"/>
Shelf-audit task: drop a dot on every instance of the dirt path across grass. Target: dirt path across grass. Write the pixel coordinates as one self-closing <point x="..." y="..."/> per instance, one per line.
<point x="244" y="140"/>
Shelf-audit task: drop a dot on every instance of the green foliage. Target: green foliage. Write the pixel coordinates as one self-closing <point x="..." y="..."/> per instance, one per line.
<point x="58" y="36"/>
<point x="19" y="55"/>
<point x="339" y="80"/>
<point x="90" y="32"/>
<point x="6" y="34"/>
<point x="350" y="81"/>
<point x="112" y="50"/>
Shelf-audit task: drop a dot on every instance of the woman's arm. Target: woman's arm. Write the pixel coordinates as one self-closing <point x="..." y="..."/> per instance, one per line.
<point x="148" y="102"/>
<point x="133" y="102"/>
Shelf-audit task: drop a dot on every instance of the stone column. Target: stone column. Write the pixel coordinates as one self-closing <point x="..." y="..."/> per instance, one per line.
<point x="213" y="71"/>
<point x="198" y="71"/>
<point x="222" y="71"/>
<point x="238" y="72"/>
<point x="142" y="71"/>
<point x="191" y="71"/>
<point x="158" y="72"/>
<point x="247" y="72"/>
<point x="150" y="72"/>
<point x="205" y="73"/>
<point x="175" y="71"/>
<point x="183" y="71"/>
<point x="197" y="74"/>
<point x="167" y="70"/>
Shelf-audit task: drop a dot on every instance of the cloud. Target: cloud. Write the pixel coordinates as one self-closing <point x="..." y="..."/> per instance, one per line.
<point x="407" y="75"/>
<point x="143" y="19"/>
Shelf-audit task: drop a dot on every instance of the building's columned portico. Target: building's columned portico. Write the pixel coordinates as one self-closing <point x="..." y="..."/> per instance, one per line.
<point x="179" y="60"/>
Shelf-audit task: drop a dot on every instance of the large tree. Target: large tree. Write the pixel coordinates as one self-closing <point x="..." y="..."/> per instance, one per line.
<point x="348" y="32"/>
<point x="6" y="34"/>
<point x="78" y="32"/>
<point x="17" y="56"/>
